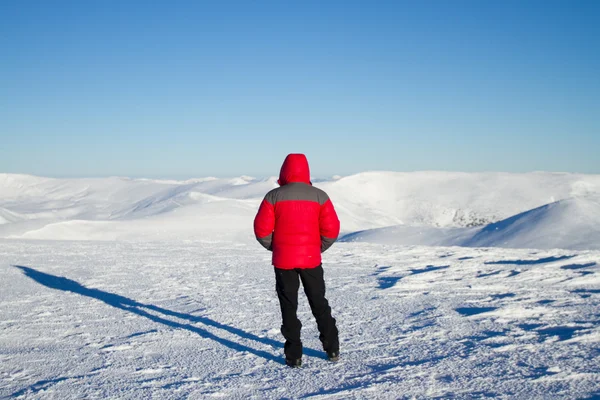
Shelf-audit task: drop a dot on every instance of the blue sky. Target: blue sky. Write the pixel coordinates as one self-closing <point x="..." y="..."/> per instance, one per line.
<point x="198" y="88"/>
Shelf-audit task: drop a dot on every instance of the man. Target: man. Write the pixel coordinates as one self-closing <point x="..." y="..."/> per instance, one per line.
<point x="297" y="222"/>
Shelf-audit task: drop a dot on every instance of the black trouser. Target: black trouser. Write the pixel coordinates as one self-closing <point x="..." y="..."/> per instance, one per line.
<point x="287" y="285"/>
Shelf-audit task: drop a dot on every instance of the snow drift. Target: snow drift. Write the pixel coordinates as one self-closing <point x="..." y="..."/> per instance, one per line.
<point x="573" y="223"/>
<point x="570" y="224"/>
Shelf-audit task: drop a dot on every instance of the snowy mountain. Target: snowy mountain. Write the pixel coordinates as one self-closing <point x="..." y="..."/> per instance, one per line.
<point x="427" y="208"/>
<point x="569" y="224"/>
<point x="573" y="223"/>
<point x="448" y="199"/>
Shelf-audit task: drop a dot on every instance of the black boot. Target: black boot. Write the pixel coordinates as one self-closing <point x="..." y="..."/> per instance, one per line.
<point x="293" y="363"/>
<point x="333" y="356"/>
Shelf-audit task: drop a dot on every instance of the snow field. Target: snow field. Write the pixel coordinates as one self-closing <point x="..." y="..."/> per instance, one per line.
<point x="200" y="320"/>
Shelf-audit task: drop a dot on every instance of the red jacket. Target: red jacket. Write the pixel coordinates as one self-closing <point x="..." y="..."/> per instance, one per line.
<point x="296" y="221"/>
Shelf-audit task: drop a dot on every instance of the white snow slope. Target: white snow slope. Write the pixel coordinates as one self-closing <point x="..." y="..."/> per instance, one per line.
<point x="426" y="208"/>
<point x="570" y="224"/>
<point x="201" y="320"/>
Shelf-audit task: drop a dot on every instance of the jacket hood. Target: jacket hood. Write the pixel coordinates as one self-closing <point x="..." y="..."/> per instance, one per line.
<point x="294" y="169"/>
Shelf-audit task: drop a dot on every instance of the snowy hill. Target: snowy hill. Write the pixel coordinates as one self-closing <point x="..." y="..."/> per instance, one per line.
<point x="569" y="224"/>
<point x="448" y="199"/>
<point x="132" y="209"/>
<point x="422" y="207"/>
<point x="573" y="223"/>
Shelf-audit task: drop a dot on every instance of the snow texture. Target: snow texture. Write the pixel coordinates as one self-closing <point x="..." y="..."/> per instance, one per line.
<point x="200" y="320"/>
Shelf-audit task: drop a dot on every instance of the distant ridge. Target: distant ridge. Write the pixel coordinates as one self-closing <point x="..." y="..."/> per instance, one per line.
<point x="420" y="207"/>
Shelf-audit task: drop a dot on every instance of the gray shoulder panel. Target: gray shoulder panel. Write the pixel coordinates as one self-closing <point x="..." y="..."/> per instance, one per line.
<point x="295" y="191"/>
<point x="271" y="197"/>
<point x="323" y="197"/>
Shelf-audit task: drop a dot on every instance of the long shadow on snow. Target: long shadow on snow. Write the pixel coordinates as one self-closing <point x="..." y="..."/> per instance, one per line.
<point x="127" y="304"/>
<point x="43" y="385"/>
<point x="386" y="282"/>
<point x="529" y="262"/>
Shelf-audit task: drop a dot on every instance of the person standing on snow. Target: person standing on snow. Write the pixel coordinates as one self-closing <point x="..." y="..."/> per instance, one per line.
<point x="297" y="222"/>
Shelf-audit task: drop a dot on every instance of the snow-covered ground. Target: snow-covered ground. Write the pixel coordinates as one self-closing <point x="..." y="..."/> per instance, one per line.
<point x="136" y="289"/>
<point x="200" y="320"/>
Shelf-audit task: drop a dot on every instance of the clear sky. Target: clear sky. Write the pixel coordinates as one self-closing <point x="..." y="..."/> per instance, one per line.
<point x="225" y="88"/>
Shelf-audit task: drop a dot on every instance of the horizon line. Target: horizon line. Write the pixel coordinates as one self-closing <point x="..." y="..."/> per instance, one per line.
<point x="265" y="177"/>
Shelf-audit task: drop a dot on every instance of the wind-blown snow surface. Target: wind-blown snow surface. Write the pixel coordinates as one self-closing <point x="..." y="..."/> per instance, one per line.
<point x="426" y="208"/>
<point x="195" y="319"/>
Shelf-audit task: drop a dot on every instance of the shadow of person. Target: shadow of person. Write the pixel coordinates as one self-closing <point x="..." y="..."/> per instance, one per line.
<point x="135" y="307"/>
